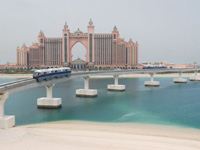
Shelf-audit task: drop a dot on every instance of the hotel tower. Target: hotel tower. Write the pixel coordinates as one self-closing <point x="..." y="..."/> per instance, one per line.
<point x="102" y="50"/>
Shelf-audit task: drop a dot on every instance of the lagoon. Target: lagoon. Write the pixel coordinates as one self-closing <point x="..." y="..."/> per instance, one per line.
<point x="169" y="104"/>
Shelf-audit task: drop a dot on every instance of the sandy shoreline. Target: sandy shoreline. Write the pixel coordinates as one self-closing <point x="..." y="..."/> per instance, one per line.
<point x="147" y="75"/>
<point x="79" y="135"/>
<point x="16" y="75"/>
<point x="122" y="76"/>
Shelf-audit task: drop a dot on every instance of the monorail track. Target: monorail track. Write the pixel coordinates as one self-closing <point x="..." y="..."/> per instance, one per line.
<point x="14" y="85"/>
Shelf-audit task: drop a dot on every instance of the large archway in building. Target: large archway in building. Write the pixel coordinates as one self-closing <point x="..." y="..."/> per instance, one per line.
<point x="76" y="38"/>
<point x="78" y="51"/>
<point x="78" y="56"/>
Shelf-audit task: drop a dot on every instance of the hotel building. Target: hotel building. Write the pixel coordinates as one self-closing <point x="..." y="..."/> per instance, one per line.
<point x="102" y="50"/>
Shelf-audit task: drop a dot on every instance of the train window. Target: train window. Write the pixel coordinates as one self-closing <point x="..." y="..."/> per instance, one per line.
<point x="66" y="70"/>
<point x="45" y="73"/>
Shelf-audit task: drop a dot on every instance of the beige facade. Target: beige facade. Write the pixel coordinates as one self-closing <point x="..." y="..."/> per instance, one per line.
<point x="102" y="50"/>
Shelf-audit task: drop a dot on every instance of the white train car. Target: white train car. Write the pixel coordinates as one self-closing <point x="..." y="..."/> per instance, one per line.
<point x="49" y="74"/>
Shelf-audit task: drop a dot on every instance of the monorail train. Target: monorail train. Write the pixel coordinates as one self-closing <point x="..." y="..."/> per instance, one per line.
<point x="154" y="67"/>
<point x="48" y="74"/>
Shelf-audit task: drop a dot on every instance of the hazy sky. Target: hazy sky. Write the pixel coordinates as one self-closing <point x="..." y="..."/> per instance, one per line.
<point x="166" y="30"/>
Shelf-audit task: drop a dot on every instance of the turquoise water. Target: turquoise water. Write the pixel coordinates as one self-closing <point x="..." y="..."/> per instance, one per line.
<point x="169" y="104"/>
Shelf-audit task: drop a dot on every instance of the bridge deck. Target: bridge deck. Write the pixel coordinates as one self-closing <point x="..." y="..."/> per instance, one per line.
<point x="24" y="84"/>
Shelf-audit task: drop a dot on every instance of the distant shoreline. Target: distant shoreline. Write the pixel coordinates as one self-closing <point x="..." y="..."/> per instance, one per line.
<point x="16" y="75"/>
<point x="147" y="75"/>
<point x="107" y="76"/>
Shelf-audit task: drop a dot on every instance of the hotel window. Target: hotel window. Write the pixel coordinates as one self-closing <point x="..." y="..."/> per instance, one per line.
<point x="114" y="36"/>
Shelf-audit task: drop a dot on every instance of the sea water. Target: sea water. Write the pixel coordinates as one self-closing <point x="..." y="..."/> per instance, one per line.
<point x="168" y="104"/>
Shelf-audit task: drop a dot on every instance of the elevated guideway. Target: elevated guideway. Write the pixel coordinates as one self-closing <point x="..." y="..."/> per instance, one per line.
<point x="25" y="84"/>
<point x="49" y="102"/>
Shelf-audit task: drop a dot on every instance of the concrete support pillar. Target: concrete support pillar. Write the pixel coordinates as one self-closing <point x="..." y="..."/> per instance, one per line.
<point x="49" y="89"/>
<point x="195" y="78"/>
<point x="3" y="97"/>
<point x="86" y="92"/>
<point x="151" y="82"/>
<point x="180" y="75"/>
<point x="2" y="107"/>
<point x="86" y="83"/>
<point x="116" y="79"/>
<point x="151" y="74"/>
<point x="195" y="73"/>
<point x="5" y="121"/>
<point x="49" y="102"/>
<point x="116" y="87"/>
<point x="180" y="79"/>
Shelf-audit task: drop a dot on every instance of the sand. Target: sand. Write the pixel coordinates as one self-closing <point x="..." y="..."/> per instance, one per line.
<point x="77" y="135"/>
<point x="16" y="75"/>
